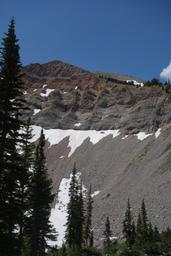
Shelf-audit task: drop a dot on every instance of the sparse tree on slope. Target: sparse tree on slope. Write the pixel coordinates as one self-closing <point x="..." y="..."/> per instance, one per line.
<point x="88" y="219"/>
<point x="107" y="234"/>
<point x="129" y="226"/>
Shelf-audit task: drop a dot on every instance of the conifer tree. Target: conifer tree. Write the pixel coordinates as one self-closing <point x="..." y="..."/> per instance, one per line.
<point x="75" y="219"/>
<point x="25" y="168"/>
<point x="71" y="219"/>
<point x="128" y="226"/>
<point x="91" y="239"/>
<point x="142" y="230"/>
<point x="11" y="105"/>
<point x="107" y="234"/>
<point x="80" y="218"/>
<point x="39" y="228"/>
<point x="88" y="218"/>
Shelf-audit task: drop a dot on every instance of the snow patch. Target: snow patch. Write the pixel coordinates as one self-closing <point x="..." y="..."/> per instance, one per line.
<point x="95" y="193"/>
<point x="46" y="94"/>
<point x="135" y="83"/>
<point x="44" y="85"/>
<point x="77" y="124"/>
<point x="59" y="214"/>
<point x="34" y="90"/>
<point x="36" y="111"/>
<point x="125" y="137"/>
<point x="61" y="157"/>
<point x="142" y="135"/>
<point x="25" y="92"/>
<point x="76" y="87"/>
<point x="157" y="133"/>
<point x="76" y="137"/>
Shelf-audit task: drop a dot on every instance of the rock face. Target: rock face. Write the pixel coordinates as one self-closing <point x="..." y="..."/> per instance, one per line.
<point x="61" y="96"/>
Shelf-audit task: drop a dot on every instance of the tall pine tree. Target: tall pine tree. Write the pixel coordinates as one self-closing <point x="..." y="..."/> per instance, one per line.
<point x="11" y="105"/>
<point x="26" y="151"/>
<point x="39" y="227"/>
<point x="75" y="219"/>
<point x="129" y="226"/>
<point x="88" y="219"/>
<point x="142" y="229"/>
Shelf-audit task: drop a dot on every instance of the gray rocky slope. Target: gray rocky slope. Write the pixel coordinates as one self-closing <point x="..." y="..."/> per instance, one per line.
<point x="62" y="96"/>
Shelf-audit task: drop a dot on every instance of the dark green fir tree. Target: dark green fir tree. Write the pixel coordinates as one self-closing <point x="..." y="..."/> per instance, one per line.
<point x="39" y="229"/>
<point x="107" y="234"/>
<point x="129" y="226"/>
<point x="25" y="168"/>
<point x="11" y="105"/>
<point x="75" y="219"/>
<point x="88" y="219"/>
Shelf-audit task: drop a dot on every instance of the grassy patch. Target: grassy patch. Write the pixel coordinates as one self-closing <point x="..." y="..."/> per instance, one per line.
<point x="168" y="148"/>
<point x="166" y="166"/>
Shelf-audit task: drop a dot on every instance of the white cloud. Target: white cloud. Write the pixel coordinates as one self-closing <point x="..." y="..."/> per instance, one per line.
<point x="166" y="72"/>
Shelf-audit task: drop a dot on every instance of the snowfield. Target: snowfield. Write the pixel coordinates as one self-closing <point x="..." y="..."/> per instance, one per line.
<point x="77" y="137"/>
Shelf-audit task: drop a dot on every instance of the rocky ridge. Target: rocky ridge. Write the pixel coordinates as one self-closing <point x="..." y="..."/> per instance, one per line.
<point x="78" y="96"/>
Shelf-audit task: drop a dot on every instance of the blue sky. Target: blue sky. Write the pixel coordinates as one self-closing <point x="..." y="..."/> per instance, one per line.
<point x="120" y="36"/>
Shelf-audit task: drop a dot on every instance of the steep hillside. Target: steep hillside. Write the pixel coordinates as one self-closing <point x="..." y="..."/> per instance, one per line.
<point x="117" y="133"/>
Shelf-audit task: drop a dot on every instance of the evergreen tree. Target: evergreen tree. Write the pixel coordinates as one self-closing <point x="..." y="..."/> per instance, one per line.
<point x="107" y="234"/>
<point x="144" y="219"/>
<point x="128" y="226"/>
<point x="88" y="221"/>
<point x="11" y="105"/>
<point x="75" y="219"/>
<point x="25" y="168"/>
<point x="91" y="244"/>
<point x="39" y="229"/>
<point x="80" y="218"/>
<point x="142" y="230"/>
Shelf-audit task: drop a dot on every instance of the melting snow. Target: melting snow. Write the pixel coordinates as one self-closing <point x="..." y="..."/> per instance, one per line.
<point x="76" y="137"/>
<point x="35" y="111"/>
<point x="157" y="133"/>
<point x="59" y="213"/>
<point x="142" y="135"/>
<point x="95" y="193"/>
<point x="46" y="94"/>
